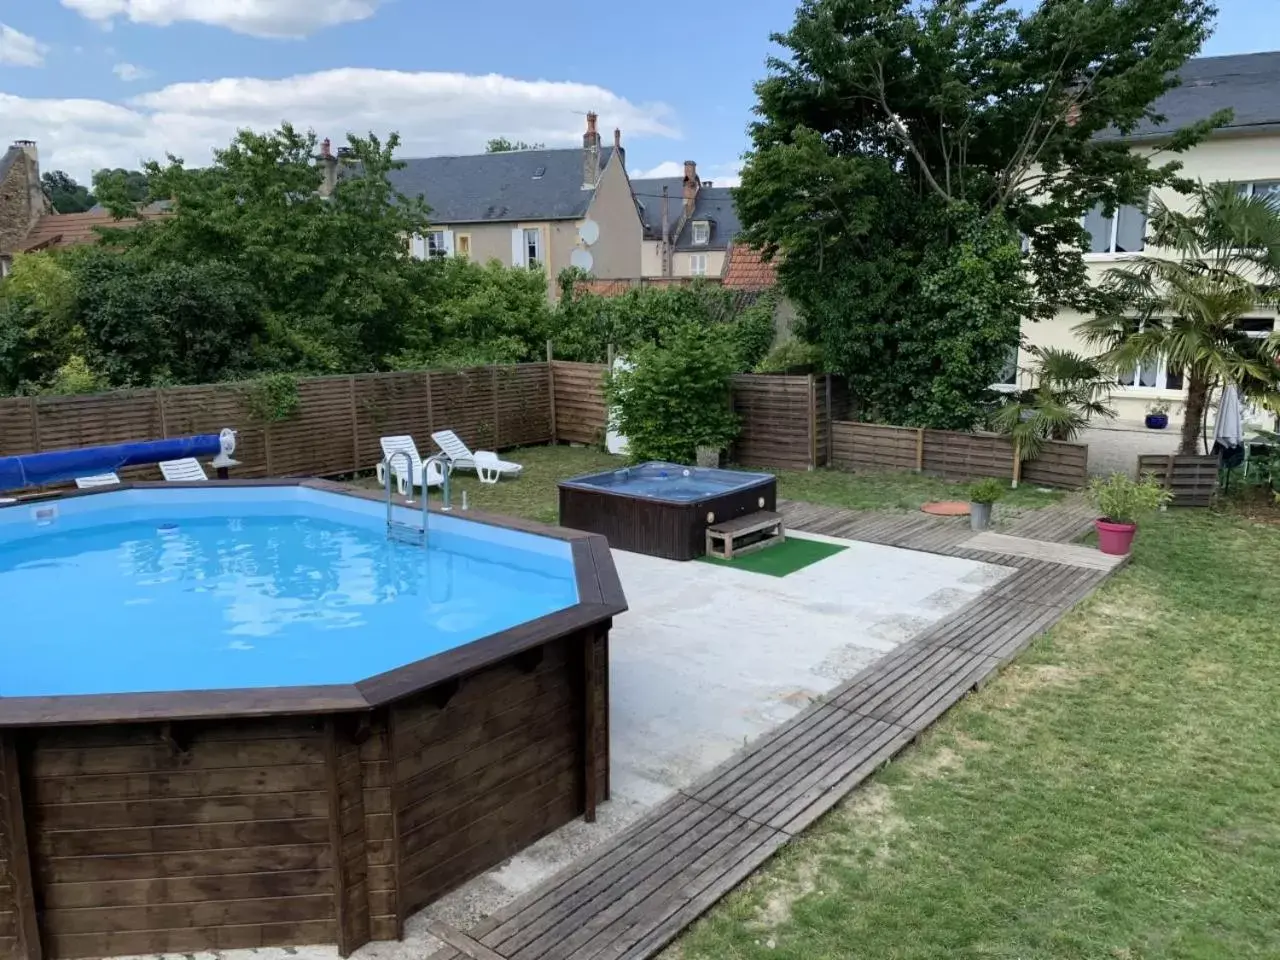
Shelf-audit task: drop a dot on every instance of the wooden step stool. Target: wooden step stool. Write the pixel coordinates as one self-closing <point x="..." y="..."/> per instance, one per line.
<point x="746" y="534"/>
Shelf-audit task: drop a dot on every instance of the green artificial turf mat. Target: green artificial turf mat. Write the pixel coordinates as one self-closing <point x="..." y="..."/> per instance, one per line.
<point x="778" y="561"/>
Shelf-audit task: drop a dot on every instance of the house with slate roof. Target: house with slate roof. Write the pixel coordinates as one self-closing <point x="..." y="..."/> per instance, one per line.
<point x="525" y="207"/>
<point x="1245" y="151"/>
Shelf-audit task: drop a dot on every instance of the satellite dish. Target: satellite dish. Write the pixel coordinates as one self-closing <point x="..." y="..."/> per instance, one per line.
<point x="589" y="232"/>
<point x="582" y="259"/>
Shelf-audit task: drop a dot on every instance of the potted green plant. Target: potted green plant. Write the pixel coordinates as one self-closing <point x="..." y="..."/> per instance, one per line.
<point x="1120" y="501"/>
<point x="982" y="497"/>
<point x="1158" y="415"/>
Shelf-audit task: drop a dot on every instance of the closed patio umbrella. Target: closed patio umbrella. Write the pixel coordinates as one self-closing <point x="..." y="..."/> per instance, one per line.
<point x="1229" y="430"/>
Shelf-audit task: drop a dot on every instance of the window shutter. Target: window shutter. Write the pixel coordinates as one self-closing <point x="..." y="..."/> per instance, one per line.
<point x="517" y="247"/>
<point x="448" y="243"/>
<point x="418" y="247"/>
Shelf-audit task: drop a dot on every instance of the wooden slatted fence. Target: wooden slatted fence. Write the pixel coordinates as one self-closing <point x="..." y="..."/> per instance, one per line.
<point x="1193" y="479"/>
<point x="954" y="455"/>
<point x="335" y="429"/>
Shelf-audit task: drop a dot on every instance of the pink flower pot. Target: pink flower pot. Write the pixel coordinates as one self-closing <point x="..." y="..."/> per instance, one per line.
<point x="1115" y="539"/>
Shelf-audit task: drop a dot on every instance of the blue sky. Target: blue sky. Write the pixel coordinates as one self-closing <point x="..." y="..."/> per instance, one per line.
<point x="100" y="82"/>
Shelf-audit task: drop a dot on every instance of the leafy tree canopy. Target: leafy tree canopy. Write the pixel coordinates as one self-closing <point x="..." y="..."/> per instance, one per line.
<point x="65" y="194"/>
<point x="329" y="271"/>
<point x="122" y="189"/>
<point x="505" y="145"/>
<point x="905" y="149"/>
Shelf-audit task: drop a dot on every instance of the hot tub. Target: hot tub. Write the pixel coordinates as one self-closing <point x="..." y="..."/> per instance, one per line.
<point x="662" y="509"/>
<point x="237" y="715"/>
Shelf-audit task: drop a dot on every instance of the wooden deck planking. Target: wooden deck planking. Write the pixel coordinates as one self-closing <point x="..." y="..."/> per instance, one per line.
<point x="644" y="886"/>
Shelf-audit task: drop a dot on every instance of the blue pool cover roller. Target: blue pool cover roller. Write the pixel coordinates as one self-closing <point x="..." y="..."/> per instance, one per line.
<point x="33" y="469"/>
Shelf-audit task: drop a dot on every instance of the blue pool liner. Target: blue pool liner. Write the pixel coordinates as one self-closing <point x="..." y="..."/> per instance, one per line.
<point x="34" y="469"/>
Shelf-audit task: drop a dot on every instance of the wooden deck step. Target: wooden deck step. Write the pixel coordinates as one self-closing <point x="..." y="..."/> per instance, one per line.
<point x="1068" y="553"/>
<point x="756" y="531"/>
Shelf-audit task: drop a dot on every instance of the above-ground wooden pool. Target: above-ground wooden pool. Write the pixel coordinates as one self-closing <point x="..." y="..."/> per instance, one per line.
<point x="184" y="820"/>
<point x="662" y="509"/>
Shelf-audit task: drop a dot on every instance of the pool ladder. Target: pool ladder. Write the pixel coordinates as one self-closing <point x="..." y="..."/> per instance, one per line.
<point x="408" y="532"/>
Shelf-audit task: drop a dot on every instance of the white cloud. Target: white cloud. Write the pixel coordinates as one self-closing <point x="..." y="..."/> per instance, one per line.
<point x="19" y="50"/>
<point x="258" y="18"/>
<point x="435" y="113"/>
<point x="128" y="72"/>
<point x="720" y="174"/>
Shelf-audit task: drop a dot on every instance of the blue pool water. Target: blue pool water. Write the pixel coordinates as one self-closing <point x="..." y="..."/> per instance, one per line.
<point x="147" y="591"/>
<point x="669" y="481"/>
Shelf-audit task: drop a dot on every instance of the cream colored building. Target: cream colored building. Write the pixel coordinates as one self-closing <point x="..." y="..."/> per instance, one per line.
<point x="527" y="208"/>
<point x="1246" y="152"/>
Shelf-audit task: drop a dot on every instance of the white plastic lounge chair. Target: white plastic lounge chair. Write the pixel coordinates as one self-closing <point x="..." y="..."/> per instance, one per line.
<point x="97" y="480"/>
<point x="483" y="462"/>
<point x="183" y="471"/>
<point x="405" y="444"/>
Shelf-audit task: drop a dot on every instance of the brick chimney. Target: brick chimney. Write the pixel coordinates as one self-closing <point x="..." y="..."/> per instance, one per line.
<point x="328" y="168"/>
<point x="590" y="154"/>
<point x="691" y="185"/>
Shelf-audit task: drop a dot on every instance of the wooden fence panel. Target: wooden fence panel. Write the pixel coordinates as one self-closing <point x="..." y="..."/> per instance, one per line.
<point x="580" y="407"/>
<point x="524" y="405"/>
<point x="962" y="456"/>
<point x="1064" y="465"/>
<point x="18" y="426"/>
<point x="209" y="408"/>
<point x="462" y="401"/>
<point x="319" y="438"/>
<point x="392" y="405"/>
<point x="873" y="446"/>
<point x="1193" y="480"/>
<point x="83" y="421"/>
<point x="775" y="414"/>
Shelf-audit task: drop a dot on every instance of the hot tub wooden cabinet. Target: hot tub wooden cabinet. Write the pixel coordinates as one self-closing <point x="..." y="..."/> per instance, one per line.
<point x="177" y="823"/>
<point x="629" y="508"/>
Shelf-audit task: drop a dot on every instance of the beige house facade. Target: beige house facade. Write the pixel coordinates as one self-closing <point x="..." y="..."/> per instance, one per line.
<point x="1246" y="152"/>
<point x="528" y="208"/>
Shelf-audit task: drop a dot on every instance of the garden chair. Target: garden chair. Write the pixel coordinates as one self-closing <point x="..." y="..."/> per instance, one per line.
<point x="483" y="462"/>
<point x="406" y="445"/>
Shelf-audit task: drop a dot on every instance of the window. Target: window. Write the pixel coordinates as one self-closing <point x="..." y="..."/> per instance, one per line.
<point x="1009" y="371"/>
<point x="701" y="232"/>
<point x="698" y="264"/>
<point x="1260" y="188"/>
<point x="462" y="246"/>
<point x="435" y="244"/>
<point x="1152" y="375"/>
<point x="532" y="247"/>
<point x="1122" y="233"/>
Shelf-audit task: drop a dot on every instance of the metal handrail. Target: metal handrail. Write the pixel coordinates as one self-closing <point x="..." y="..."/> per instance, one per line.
<point x="446" y="468"/>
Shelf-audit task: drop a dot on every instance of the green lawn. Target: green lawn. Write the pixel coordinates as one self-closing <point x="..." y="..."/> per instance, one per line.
<point x="893" y="491"/>
<point x="1115" y="793"/>
<point x="533" y="495"/>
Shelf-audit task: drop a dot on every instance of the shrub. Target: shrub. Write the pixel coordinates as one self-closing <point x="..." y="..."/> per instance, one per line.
<point x="1121" y="499"/>
<point x="754" y="331"/>
<point x="791" y="355"/>
<point x="272" y="397"/>
<point x="676" y="397"/>
<point x="986" y="491"/>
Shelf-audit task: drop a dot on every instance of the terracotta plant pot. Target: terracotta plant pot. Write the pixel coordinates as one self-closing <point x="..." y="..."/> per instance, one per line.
<point x="1115" y="539"/>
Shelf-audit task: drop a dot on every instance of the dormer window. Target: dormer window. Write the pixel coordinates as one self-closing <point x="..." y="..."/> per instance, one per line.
<point x="701" y="232"/>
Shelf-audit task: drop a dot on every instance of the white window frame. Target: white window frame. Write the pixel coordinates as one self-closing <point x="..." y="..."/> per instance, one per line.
<point x="1161" y="384"/>
<point x="697" y="264"/>
<point x="533" y="257"/>
<point x="462" y="245"/>
<point x="1250" y="187"/>
<point x="1110" y="252"/>
<point x="701" y="232"/>
<point x="436" y="247"/>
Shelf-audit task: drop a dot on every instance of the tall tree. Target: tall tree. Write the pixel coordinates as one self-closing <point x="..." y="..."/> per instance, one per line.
<point x="64" y="193"/>
<point x="905" y="150"/>
<point x="1186" y="310"/>
<point x="121" y="189"/>
<point x="329" y="271"/>
<point x="504" y="145"/>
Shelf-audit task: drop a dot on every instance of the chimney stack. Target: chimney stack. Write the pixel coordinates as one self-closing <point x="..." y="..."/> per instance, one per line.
<point x="617" y="146"/>
<point x="590" y="154"/>
<point x="328" y="168"/>
<point x="691" y="184"/>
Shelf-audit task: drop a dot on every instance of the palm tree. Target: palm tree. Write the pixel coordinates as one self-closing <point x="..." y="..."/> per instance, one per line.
<point x="1187" y="308"/>
<point x="1070" y="390"/>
